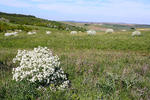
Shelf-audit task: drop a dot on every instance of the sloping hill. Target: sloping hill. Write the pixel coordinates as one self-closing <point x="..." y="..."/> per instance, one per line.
<point x="32" y="20"/>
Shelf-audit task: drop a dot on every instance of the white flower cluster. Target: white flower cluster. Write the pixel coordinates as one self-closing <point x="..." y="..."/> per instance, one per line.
<point x="73" y="32"/>
<point x="39" y="66"/>
<point x="91" y="32"/>
<point x="48" y="32"/>
<point x="30" y="33"/>
<point x="12" y="33"/>
<point x="136" y="33"/>
<point x="123" y="30"/>
<point x="109" y="31"/>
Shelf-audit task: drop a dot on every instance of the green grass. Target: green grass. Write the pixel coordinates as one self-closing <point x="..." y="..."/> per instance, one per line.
<point x="63" y="40"/>
<point x="109" y="66"/>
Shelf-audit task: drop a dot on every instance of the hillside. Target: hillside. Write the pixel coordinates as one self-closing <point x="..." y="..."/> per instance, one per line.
<point x="34" y="21"/>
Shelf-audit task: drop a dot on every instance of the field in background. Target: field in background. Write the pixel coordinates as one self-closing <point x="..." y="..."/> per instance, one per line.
<point x="104" y="26"/>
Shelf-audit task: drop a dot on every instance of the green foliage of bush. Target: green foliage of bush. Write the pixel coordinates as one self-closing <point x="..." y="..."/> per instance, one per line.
<point x="26" y="91"/>
<point x="6" y="26"/>
<point x="3" y="26"/>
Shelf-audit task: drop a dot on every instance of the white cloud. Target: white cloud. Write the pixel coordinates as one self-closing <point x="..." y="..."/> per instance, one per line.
<point x="15" y="3"/>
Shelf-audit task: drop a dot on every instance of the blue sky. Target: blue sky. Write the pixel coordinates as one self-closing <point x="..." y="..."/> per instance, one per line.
<point x="127" y="11"/>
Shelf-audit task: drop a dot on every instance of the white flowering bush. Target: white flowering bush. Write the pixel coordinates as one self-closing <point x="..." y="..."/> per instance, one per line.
<point x="73" y="32"/>
<point x="123" y="30"/>
<point x="136" y="33"/>
<point x="109" y="31"/>
<point x="11" y="34"/>
<point x="41" y="67"/>
<point x="30" y="33"/>
<point x="91" y="32"/>
<point x="48" y="32"/>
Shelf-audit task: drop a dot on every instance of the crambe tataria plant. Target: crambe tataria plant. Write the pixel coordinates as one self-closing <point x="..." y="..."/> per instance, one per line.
<point x="30" y="33"/>
<point x="73" y="32"/>
<point x="48" y="32"/>
<point x="91" y="32"/>
<point x="136" y="33"/>
<point x="40" y="66"/>
<point x="12" y="33"/>
<point x="109" y="31"/>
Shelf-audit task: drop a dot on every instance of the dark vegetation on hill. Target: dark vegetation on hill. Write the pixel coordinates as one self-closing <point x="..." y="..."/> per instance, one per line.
<point x="5" y="26"/>
<point x="23" y="20"/>
<point x="98" y="26"/>
<point x="125" y="26"/>
<point x="118" y="26"/>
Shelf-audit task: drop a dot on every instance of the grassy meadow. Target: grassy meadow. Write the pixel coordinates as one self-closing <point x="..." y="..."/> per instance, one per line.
<point x="100" y="67"/>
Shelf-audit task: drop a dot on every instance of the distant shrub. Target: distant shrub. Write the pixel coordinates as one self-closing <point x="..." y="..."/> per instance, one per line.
<point x="33" y="32"/>
<point x="109" y="31"/>
<point x="132" y="28"/>
<point x="136" y="33"/>
<point x="91" y="32"/>
<point x="123" y="30"/>
<point x="73" y="32"/>
<point x="39" y="66"/>
<point x="6" y="26"/>
<point x="12" y="33"/>
<point x="48" y="32"/>
<point x="86" y="24"/>
<point x="23" y="27"/>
